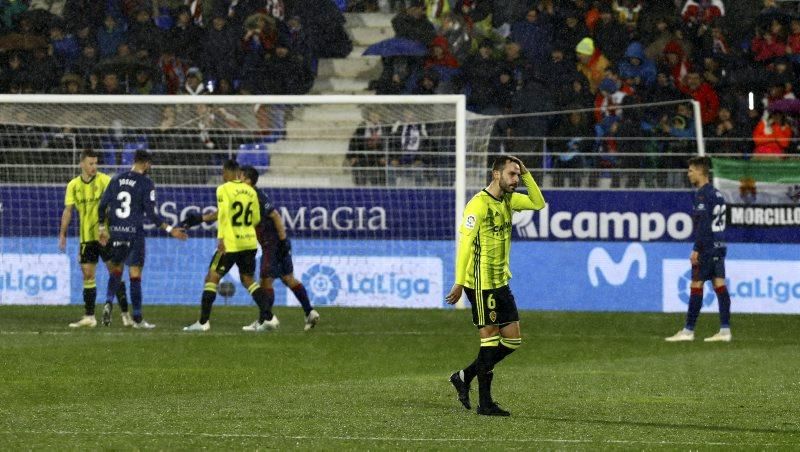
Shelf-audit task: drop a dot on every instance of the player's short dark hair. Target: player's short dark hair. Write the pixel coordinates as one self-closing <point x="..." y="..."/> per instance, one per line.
<point x="89" y="153"/>
<point x="250" y="173"/>
<point x="701" y="161"/>
<point x="142" y="156"/>
<point x="230" y="165"/>
<point x="500" y="162"/>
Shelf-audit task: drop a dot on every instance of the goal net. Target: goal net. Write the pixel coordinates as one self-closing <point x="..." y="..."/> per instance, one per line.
<point x="369" y="188"/>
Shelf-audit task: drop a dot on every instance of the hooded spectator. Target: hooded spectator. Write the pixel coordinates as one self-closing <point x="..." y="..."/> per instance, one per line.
<point x="413" y="24"/>
<point x="194" y="85"/>
<point x="591" y="62"/>
<point x="534" y="35"/>
<point x="143" y="33"/>
<point x="696" y="12"/>
<point x="288" y="74"/>
<point x="71" y="84"/>
<point x="65" y="47"/>
<point x="675" y="61"/>
<point x="109" y="36"/>
<point x="439" y="55"/>
<point x="609" y="35"/>
<point x="220" y="49"/>
<point x="185" y="36"/>
<point x="480" y="73"/>
<point x="637" y="66"/>
<point x="14" y="73"/>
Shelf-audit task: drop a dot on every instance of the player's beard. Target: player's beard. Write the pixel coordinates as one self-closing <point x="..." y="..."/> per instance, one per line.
<point x="507" y="188"/>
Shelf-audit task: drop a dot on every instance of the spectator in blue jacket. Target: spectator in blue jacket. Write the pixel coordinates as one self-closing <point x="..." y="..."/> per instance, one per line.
<point x="109" y="36"/>
<point x="635" y="65"/>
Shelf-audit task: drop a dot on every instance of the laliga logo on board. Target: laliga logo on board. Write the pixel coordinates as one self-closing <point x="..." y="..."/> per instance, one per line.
<point x="323" y="284"/>
<point x="616" y="273"/>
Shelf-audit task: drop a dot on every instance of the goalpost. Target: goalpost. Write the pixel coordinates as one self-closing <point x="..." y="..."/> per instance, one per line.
<point x="380" y="233"/>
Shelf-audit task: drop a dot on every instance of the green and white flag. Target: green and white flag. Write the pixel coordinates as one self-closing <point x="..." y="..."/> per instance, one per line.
<point x="759" y="193"/>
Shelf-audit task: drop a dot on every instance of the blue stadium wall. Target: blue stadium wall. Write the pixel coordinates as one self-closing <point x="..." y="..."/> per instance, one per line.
<point x="598" y="251"/>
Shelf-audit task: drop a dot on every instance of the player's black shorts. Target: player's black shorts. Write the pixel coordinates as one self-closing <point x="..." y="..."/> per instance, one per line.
<point x="495" y="306"/>
<point x="92" y="251"/>
<point x="709" y="267"/>
<point x="129" y="251"/>
<point x="244" y="260"/>
<point x="273" y="266"/>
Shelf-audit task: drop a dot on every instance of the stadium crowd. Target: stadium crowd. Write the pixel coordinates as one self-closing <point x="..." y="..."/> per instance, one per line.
<point x="594" y="58"/>
<point x="510" y="57"/>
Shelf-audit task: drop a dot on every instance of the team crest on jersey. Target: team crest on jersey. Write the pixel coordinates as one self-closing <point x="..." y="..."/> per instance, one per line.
<point x="469" y="223"/>
<point x="493" y="316"/>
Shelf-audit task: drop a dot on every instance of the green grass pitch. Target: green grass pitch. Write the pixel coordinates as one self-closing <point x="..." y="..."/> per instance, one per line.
<point x="372" y="379"/>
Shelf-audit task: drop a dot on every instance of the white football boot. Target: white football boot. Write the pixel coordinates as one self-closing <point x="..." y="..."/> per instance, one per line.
<point x="197" y="326"/>
<point x="311" y="320"/>
<point x="724" y="335"/>
<point x="683" y="335"/>
<point x="87" y="321"/>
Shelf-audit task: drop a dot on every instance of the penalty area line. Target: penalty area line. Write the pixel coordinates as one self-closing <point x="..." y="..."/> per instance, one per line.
<point x="392" y="438"/>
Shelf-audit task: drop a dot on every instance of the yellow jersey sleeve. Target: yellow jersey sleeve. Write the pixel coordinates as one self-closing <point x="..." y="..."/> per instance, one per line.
<point x="468" y="232"/>
<point x="222" y="211"/>
<point x="533" y="201"/>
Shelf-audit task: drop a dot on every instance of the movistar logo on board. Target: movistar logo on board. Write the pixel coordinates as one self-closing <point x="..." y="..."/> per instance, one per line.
<point x="616" y="273"/>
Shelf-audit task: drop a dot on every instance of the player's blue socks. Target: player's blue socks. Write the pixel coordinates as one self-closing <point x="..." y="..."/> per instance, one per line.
<point x="114" y="278"/>
<point x="122" y="297"/>
<point x="209" y="295"/>
<point x="136" y="298"/>
<point x="89" y="295"/>
<point x="260" y="298"/>
<point x="300" y="292"/>
<point x="724" y="301"/>
<point x="695" y="303"/>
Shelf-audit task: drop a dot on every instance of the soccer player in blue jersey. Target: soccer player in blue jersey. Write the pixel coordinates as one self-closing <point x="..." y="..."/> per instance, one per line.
<point x="276" y="252"/>
<point x="482" y="273"/>
<point x="708" y="253"/>
<point x="129" y="197"/>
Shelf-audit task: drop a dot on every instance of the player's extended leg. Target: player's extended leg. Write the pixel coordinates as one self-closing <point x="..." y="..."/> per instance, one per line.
<point x="266" y="320"/>
<point x="135" y="273"/>
<point x="266" y="283"/>
<point x="209" y="295"/>
<point x="299" y="291"/>
<point x="122" y="298"/>
<point x="89" y="297"/>
<point x="724" y="301"/>
<point x="695" y="303"/>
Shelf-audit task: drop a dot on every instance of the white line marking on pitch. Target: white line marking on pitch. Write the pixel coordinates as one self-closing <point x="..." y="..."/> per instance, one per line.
<point x="392" y="438"/>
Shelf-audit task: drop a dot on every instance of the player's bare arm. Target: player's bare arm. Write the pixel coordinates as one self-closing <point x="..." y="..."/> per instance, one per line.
<point x="455" y="294"/>
<point x="66" y="218"/>
<point x="174" y="231"/>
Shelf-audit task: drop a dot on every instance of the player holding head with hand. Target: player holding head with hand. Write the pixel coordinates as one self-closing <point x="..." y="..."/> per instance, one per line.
<point x="482" y="272"/>
<point x="129" y="198"/>
<point x="83" y="194"/>
<point x="708" y="253"/>
<point x="237" y="214"/>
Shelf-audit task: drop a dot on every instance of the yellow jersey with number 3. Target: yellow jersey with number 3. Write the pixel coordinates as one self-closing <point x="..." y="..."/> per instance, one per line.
<point x="85" y="196"/>
<point x="237" y="216"/>
<point x="484" y="243"/>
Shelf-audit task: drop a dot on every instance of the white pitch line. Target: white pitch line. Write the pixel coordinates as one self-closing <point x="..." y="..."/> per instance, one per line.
<point x="396" y="439"/>
<point x="215" y="333"/>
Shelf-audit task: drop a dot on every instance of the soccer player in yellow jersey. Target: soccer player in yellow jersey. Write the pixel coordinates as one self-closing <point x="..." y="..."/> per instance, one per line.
<point x="83" y="194"/>
<point x="482" y="272"/>
<point x="237" y="214"/>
